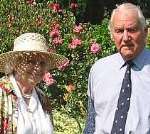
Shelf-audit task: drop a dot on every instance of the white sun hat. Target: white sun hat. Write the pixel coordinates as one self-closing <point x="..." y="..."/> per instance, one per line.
<point x="30" y="45"/>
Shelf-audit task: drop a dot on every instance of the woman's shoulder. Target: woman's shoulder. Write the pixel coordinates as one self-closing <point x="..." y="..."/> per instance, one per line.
<point x="45" y="100"/>
<point x="5" y="85"/>
<point x="4" y="79"/>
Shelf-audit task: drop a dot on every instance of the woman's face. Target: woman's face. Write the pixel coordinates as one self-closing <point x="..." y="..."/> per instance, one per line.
<point x="32" y="69"/>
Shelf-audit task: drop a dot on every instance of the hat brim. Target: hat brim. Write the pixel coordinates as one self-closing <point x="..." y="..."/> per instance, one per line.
<point x="10" y="58"/>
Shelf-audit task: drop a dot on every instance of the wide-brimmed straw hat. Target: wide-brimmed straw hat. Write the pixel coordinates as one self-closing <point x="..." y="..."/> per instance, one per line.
<point x="30" y="45"/>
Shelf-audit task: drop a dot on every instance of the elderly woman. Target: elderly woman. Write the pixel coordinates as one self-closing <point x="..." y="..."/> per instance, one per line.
<point x="24" y="109"/>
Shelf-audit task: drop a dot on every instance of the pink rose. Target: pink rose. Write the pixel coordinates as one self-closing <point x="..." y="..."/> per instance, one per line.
<point x="56" y="26"/>
<point x="55" y="7"/>
<point x="57" y="41"/>
<point x="63" y="65"/>
<point x="72" y="46"/>
<point x="75" y="42"/>
<point x="95" y="48"/>
<point x="54" y="33"/>
<point x="78" y="29"/>
<point x="74" y="6"/>
<point x="48" y="79"/>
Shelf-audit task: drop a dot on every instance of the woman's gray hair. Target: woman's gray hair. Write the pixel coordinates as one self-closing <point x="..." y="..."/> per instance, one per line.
<point x="9" y="68"/>
<point x="127" y="6"/>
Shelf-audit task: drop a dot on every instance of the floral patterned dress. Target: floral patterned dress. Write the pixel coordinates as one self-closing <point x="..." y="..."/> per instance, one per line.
<point x="8" y="106"/>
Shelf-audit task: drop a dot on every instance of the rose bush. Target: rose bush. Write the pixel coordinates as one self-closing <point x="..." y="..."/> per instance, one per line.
<point x="82" y="44"/>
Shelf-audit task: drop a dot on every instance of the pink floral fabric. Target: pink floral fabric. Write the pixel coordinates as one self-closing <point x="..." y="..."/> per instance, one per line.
<point x="8" y="106"/>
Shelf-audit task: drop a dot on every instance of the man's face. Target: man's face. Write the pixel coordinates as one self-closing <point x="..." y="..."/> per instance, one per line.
<point x="128" y="34"/>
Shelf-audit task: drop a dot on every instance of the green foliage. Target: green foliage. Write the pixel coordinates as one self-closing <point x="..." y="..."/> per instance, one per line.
<point x="67" y="125"/>
<point x="69" y="93"/>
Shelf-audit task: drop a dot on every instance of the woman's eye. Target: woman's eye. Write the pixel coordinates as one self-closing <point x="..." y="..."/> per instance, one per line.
<point x="42" y="63"/>
<point x="33" y="62"/>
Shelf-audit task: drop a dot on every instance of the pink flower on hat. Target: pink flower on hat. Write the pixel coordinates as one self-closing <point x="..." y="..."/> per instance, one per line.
<point x="48" y="79"/>
<point x="75" y="42"/>
<point x="95" y="48"/>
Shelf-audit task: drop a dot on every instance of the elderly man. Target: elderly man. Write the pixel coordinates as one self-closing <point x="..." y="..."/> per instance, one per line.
<point x="119" y="85"/>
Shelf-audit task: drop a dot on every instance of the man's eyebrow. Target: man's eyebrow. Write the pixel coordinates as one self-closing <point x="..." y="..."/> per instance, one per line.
<point x="128" y="27"/>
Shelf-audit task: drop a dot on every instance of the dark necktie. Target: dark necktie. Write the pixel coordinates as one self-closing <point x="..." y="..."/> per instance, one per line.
<point x="123" y="103"/>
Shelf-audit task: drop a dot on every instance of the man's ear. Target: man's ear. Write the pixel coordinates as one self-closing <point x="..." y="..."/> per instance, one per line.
<point x="146" y="30"/>
<point x="112" y="37"/>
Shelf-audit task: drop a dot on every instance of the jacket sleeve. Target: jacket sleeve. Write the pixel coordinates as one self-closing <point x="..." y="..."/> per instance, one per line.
<point x="90" y="122"/>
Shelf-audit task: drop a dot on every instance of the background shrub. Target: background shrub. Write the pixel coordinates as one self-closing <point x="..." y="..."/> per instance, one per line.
<point x="81" y="43"/>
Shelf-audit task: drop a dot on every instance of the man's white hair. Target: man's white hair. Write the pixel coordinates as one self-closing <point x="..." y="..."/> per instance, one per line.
<point x="127" y="7"/>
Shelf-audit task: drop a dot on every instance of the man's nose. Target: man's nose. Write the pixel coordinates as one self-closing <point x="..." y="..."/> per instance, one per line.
<point x="126" y="36"/>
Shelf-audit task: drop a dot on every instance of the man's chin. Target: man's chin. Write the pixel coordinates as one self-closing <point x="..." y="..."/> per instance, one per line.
<point x="128" y="57"/>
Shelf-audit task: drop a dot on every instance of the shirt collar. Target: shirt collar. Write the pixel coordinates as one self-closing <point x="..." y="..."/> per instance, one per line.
<point x="138" y="61"/>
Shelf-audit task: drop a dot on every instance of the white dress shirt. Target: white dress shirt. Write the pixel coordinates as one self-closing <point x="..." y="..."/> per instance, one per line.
<point x="105" y="82"/>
